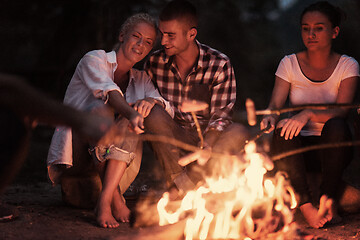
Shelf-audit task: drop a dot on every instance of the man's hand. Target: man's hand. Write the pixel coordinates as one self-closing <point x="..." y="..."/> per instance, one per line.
<point x="144" y="106"/>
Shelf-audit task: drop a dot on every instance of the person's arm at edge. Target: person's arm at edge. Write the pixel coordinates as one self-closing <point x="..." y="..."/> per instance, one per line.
<point x="118" y="102"/>
<point x="29" y="103"/>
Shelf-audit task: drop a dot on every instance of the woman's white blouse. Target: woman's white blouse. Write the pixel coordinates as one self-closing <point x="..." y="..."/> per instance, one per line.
<point x="305" y="91"/>
<point x="92" y="81"/>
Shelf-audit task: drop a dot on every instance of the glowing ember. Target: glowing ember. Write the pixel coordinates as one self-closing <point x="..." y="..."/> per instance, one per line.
<point x="241" y="205"/>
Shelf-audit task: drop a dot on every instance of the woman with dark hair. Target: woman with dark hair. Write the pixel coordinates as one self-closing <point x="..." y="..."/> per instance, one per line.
<point x="107" y="83"/>
<point x="317" y="75"/>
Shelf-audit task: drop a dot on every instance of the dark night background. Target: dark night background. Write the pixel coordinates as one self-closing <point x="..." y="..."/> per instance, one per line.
<point x="44" y="40"/>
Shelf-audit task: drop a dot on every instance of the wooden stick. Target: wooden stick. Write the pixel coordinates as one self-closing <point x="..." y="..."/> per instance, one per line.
<point x="172" y="141"/>
<point x="301" y="107"/>
<point x="177" y="143"/>
<point x="198" y="129"/>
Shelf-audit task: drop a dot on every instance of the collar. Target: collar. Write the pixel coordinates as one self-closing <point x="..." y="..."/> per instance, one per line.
<point x="111" y="58"/>
<point x="200" y="62"/>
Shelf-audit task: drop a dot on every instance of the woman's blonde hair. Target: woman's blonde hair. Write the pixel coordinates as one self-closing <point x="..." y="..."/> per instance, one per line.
<point x="132" y="21"/>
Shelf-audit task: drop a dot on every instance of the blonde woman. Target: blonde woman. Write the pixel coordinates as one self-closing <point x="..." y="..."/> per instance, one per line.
<point x="107" y="83"/>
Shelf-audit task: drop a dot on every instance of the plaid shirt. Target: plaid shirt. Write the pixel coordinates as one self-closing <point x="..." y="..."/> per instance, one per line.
<point x="212" y="72"/>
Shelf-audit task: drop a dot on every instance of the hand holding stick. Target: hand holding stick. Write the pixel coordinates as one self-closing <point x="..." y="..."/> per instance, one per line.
<point x="252" y="112"/>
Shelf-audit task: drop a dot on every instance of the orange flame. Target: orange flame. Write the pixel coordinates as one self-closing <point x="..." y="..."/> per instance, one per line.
<point x="241" y="206"/>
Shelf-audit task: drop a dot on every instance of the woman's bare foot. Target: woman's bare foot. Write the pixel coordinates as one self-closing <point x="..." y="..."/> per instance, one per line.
<point x="325" y="207"/>
<point x="332" y="215"/>
<point x="104" y="216"/>
<point x="119" y="209"/>
<point x="316" y="218"/>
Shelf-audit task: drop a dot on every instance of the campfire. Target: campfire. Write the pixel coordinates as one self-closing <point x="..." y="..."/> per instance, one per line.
<point x="242" y="205"/>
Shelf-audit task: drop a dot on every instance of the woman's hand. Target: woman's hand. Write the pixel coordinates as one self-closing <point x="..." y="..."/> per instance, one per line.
<point x="137" y="123"/>
<point x="144" y="106"/>
<point x="291" y="127"/>
<point x="266" y="121"/>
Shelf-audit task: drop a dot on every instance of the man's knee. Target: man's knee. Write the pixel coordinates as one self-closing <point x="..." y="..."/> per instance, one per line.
<point x="157" y="118"/>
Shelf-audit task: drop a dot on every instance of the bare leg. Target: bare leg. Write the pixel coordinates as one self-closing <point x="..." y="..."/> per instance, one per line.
<point x="119" y="209"/>
<point x="316" y="218"/>
<point x="113" y="172"/>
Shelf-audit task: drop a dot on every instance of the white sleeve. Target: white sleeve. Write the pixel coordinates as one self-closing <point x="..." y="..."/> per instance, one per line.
<point x="96" y="76"/>
<point x="351" y="68"/>
<point x="284" y="69"/>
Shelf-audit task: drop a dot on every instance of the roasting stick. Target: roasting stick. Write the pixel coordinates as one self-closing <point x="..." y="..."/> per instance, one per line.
<point x="193" y="106"/>
<point x="198" y="129"/>
<point x="311" y="106"/>
<point x="172" y="141"/>
<point x="252" y="112"/>
<point x="259" y="134"/>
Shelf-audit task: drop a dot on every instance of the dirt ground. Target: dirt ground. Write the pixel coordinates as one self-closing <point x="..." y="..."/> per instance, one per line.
<point x="43" y="214"/>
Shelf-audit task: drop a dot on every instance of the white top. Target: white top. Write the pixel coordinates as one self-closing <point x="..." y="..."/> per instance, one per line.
<point x="305" y="91"/>
<point x="93" y="80"/>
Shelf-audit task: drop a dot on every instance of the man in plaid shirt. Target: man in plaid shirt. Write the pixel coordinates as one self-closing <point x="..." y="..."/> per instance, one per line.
<point x="186" y="69"/>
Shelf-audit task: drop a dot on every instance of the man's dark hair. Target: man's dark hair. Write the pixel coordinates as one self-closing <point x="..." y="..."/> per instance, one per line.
<point x="180" y="10"/>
